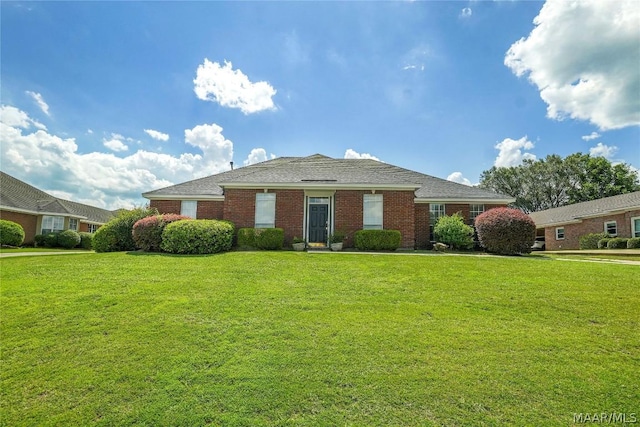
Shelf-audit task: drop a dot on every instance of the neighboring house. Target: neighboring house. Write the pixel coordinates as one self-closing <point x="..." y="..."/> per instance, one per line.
<point x="617" y="215"/>
<point x="309" y="197"/>
<point x="39" y="213"/>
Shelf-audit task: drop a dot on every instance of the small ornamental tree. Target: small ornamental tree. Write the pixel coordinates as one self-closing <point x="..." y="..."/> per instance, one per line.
<point x="454" y="232"/>
<point x="147" y="232"/>
<point x="506" y="231"/>
<point x="11" y="233"/>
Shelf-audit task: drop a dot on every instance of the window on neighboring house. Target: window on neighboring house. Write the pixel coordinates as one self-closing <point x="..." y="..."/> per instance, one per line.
<point x="474" y="211"/>
<point x="265" y="210"/>
<point x="611" y="228"/>
<point x="635" y="226"/>
<point x="51" y="224"/>
<point x="189" y="208"/>
<point x="436" y="210"/>
<point x="93" y="227"/>
<point x="559" y="233"/>
<point x="372" y="212"/>
<point x="73" y="224"/>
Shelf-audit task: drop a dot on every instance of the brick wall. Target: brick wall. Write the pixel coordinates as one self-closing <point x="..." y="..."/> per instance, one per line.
<point x="210" y="209"/>
<point x="166" y="206"/>
<point x="28" y="222"/>
<point x="422" y="226"/>
<point x="572" y="232"/>
<point x="348" y="213"/>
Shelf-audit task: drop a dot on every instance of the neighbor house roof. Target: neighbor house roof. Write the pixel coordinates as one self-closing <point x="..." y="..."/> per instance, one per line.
<point x="318" y="171"/>
<point x="16" y="195"/>
<point x="595" y="208"/>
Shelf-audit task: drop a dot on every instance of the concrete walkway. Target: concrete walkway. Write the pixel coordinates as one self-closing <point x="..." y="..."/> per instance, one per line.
<point x="14" y="254"/>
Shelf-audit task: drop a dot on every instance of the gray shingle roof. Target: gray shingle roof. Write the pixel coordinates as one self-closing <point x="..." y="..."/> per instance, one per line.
<point x="318" y="170"/>
<point x="601" y="207"/>
<point x="19" y="195"/>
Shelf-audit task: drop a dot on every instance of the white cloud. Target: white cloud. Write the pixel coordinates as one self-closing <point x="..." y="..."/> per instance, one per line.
<point x="157" y="135"/>
<point x="257" y="155"/>
<point x="457" y="177"/>
<point x="416" y="58"/>
<point x="90" y="132"/>
<point x="115" y="143"/>
<point x="352" y="154"/>
<point x="40" y="101"/>
<point x="583" y="56"/>
<point x="232" y="89"/>
<point x="602" y="150"/>
<point x="512" y="152"/>
<point x="593" y="135"/>
<point x="103" y="179"/>
<point x="466" y="12"/>
<point x="11" y="116"/>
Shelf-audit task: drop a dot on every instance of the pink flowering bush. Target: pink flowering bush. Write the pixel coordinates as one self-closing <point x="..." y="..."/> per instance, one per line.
<point x="147" y="232"/>
<point x="506" y="231"/>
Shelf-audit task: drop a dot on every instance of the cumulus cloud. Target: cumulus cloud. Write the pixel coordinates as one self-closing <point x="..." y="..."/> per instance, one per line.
<point x="352" y="154"/>
<point x="11" y="116"/>
<point x="466" y="12"/>
<point x="104" y="179"/>
<point x="457" y="177"/>
<point x="257" y="155"/>
<point x="603" y="150"/>
<point x="115" y="143"/>
<point x="583" y="56"/>
<point x="40" y="101"/>
<point x="157" y="135"/>
<point x="512" y="152"/>
<point x="231" y="88"/>
<point x="593" y="135"/>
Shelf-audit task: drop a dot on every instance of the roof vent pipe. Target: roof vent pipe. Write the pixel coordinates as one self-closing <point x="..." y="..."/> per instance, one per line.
<point x="231" y="163"/>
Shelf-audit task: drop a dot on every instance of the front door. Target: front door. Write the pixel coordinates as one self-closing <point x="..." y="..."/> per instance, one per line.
<point x="318" y="221"/>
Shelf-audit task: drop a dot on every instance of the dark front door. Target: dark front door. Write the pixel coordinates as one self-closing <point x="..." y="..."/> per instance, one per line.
<point x="318" y="221"/>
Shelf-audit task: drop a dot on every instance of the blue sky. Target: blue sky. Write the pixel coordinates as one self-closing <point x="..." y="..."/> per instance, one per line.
<point x="102" y="101"/>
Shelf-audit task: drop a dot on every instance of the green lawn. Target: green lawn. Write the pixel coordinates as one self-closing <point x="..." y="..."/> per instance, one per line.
<point x="261" y="339"/>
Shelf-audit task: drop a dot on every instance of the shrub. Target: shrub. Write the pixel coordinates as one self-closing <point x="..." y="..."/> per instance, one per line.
<point x="338" y="236"/>
<point x="506" y="231"/>
<point x="269" y="238"/>
<point x="617" y="243"/>
<point x="86" y="240"/>
<point x="68" y="239"/>
<point x="147" y="232"/>
<point x="11" y="233"/>
<point x="377" y="240"/>
<point x="116" y="235"/>
<point x="602" y="243"/>
<point x="39" y="240"/>
<point x="197" y="236"/>
<point x="590" y="241"/>
<point x="246" y="238"/>
<point x="454" y="232"/>
<point x="633" y="243"/>
<point x="51" y="240"/>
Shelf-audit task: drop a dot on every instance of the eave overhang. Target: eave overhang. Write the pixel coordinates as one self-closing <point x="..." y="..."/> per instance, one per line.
<point x="445" y="200"/>
<point x="183" y="197"/>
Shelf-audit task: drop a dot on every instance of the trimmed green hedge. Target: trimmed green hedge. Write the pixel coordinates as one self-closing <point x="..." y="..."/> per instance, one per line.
<point x="261" y="238"/>
<point x="617" y="243"/>
<point x="590" y="241"/>
<point x="633" y="243"/>
<point x="147" y="232"/>
<point x="68" y="239"/>
<point x="377" y="240"/>
<point x="11" y="233"/>
<point x="602" y="243"/>
<point x="197" y="236"/>
<point x="86" y="240"/>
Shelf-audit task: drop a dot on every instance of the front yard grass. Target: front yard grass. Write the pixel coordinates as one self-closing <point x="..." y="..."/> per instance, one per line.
<point x="287" y="338"/>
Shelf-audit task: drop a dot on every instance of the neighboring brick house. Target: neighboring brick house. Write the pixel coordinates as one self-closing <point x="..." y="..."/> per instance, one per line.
<point x="617" y="215"/>
<point x="310" y="197"/>
<point x="39" y="213"/>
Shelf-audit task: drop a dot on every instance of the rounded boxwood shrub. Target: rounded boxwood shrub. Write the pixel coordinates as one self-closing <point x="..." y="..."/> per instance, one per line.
<point x="602" y="243"/>
<point x="197" y="236"/>
<point x="39" y="240"/>
<point x="147" y="232"/>
<point x="247" y="238"/>
<point x="377" y="240"/>
<point x="506" y="231"/>
<point x="86" y="240"/>
<point x="633" y="243"/>
<point x="269" y="238"/>
<point x="454" y="232"/>
<point x="68" y="239"/>
<point x="617" y="243"/>
<point x="116" y="235"/>
<point x="51" y="240"/>
<point x="11" y="233"/>
<point x="590" y="241"/>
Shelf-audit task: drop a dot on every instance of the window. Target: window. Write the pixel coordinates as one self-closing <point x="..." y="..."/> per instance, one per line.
<point x="611" y="228"/>
<point x="372" y="212"/>
<point x="73" y="224"/>
<point x="51" y="224"/>
<point x="635" y="226"/>
<point x="436" y="210"/>
<point x="189" y="208"/>
<point x="474" y="211"/>
<point x="93" y="227"/>
<point x="265" y="210"/>
<point x="560" y="233"/>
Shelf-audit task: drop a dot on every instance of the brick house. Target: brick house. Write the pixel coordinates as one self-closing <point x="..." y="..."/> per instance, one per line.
<point x="310" y="197"/>
<point x="40" y="213"/>
<point x="617" y="215"/>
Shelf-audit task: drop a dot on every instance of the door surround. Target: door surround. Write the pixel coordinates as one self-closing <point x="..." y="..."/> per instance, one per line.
<point x="318" y="197"/>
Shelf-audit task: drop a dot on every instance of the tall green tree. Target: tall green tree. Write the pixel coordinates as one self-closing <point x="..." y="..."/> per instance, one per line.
<point x="553" y="181"/>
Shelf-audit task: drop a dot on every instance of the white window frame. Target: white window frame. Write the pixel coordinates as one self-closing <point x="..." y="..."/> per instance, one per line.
<point x="436" y="210"/>
<point x="73" y="224"/>
<point x="189" y="208"/>
<point x="51" y="224"/>
<point x="474" y="211"/>
<point x="606" y="228"/>
<point x="265" y="210"/>
<point x="372" y="211"/>
<point x="635" y="232"/>
<point x="92" y="228"/>
<point x="559" y="233"/>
